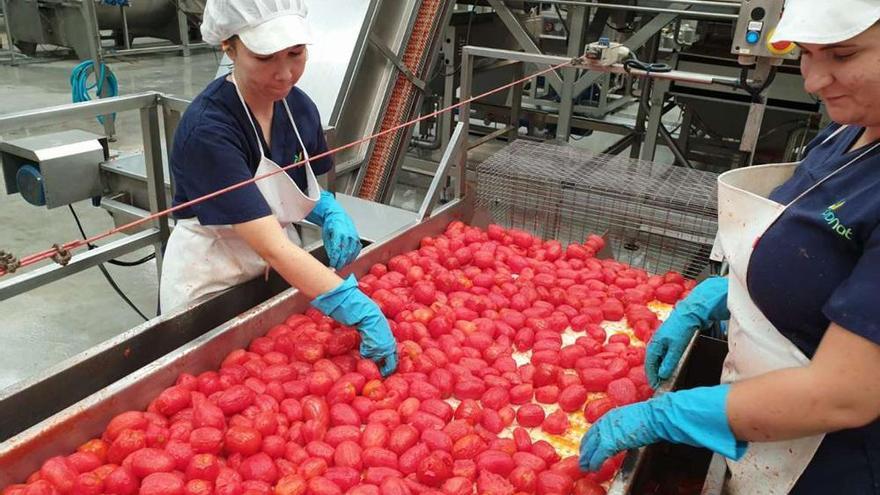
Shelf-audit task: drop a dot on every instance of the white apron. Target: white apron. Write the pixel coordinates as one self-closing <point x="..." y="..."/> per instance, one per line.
<point x="205" y="259"/>
<point x="755" y="345"/>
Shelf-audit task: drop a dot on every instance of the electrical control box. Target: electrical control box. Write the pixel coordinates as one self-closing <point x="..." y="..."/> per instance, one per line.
<point x="756" y="23"/>
<point x="55" y="169"/>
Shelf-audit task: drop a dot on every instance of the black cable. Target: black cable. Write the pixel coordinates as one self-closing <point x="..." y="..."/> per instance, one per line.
<point x="114" y="262"/>
<point x="627" y="28"/>
<point x="562" y="21"/>
<point x="635" y="63"/>
<point x="104" y="270"/>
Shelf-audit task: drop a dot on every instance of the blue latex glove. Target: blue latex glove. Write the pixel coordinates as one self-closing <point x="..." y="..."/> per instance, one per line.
<point x="349" y="306"/>
<point x="341" y="240"/>
<point x="706" y="303"/>
<point x="696" y="417"/>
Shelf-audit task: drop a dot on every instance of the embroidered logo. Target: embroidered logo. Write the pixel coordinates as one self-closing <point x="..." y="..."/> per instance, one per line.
<point x="833" y="221"/>
<point x="297" y="157"/>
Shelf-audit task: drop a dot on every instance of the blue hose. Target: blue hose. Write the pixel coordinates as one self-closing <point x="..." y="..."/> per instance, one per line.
<point x="79" y="83"/>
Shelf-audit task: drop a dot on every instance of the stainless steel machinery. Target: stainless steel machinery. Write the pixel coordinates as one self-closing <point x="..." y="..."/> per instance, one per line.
<point x="78" y="24"/>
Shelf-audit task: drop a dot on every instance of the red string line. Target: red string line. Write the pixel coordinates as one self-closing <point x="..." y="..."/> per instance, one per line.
<point x="68" y="246"/>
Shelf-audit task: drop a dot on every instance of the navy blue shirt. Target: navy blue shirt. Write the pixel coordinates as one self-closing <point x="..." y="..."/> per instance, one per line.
<point x="215" y="147"/>
<point x="820" y="263"/>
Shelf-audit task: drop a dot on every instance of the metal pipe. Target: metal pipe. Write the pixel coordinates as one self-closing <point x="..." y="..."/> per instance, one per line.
<point x="126" y="41"/>
<point x="687" y="14"/>
<point x="155" y="49"/>
<point x="710" y="3"/>
<point x="426" y="144"/>
<point x="673" y="146"/>
<point x="70" y="111"/>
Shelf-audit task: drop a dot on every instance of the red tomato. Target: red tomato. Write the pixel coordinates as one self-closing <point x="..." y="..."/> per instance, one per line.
<point x="494" y="483"/>
<point x="259" y="467"/>
<point x="203" y="467"/>
<point x="596" y="408"/>
<point x="572" y="398"/>
<point x="595" y="379"/>
<point x="121" y="481"/>
<point x="622" y="391"/>
<point x="243" y="440"/>
<point x="96" y="447"/>
<point x="83" y="462"/>
<point x="669" y="293"/>
<point x="402" y="438"/>
<point x="379" y="457"/>
<point x="162" y="484"/>
<point x="530" y="415"/>
<point x="434" y="469"/>
<point x="126" y="442"/>
<point x="147" y="461"/>
<point x="206" y="440"/>
<point x="322" y="486"/>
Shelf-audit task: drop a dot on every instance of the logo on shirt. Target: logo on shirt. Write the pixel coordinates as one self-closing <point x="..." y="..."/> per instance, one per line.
<point x="297" y="157"/>
<point x="833" y="221"/>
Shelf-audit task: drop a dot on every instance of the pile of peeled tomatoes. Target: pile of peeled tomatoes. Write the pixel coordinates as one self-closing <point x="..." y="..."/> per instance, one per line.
<point x="299" y="412"/>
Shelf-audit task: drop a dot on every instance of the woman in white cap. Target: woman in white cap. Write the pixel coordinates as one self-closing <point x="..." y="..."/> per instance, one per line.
<point x="798" y="410"/>
<point x="239" y="127"/>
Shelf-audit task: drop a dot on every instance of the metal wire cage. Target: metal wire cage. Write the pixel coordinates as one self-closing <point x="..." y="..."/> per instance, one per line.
<point x="653" y="216"/>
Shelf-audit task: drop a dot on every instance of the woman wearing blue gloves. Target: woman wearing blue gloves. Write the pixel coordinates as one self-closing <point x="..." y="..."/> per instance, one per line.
<point x="798" y="408"/>
<point x="238" y="128"/>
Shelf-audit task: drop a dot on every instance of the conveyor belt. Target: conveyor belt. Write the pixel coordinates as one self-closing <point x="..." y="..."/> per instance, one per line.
<point x="404" y="98"/>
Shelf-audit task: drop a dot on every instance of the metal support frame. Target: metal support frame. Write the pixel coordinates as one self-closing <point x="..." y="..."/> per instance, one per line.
<point x="148" y="105"/>
<point x="516" y="96"/>
<point x="395" y="59"/>
<point x="522" y="37"/>
<point x="152" y="136"/>
<point x="690" y="14"/>
<point x="183" y="28"/>
<point x="655" y="115"/>
<point x="633" y="139"/>
<point x="11" y="47"/>
<point x="577" y="16"/>
<point x="449" y="47"/>
<point x="464" y="114"/>
<point x="450" y="156"/>
<point x="126" y="41"/>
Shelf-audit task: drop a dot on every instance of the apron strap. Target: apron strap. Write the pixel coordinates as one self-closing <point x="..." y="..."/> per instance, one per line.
<point x="835" y="133"/>
<point x="839" y="169"/>
<point x="248" y="113"/>
<point x="296" y="130"/>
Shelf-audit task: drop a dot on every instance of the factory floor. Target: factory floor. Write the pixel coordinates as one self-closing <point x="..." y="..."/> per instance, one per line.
<point x="42" y="328"/>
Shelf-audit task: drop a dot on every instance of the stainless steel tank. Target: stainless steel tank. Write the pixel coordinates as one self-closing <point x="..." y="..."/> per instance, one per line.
<point x="61" y="22"/>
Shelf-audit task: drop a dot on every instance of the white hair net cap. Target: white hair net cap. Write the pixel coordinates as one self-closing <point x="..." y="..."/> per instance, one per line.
<point x="264" y="26"/>
<point x="825" y="21"/>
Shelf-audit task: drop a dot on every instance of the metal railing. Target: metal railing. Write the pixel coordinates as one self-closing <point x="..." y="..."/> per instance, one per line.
<point x="148" y="105"/>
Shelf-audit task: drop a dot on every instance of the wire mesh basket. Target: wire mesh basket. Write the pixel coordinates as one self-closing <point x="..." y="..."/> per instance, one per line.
<point x="653" y="216"/>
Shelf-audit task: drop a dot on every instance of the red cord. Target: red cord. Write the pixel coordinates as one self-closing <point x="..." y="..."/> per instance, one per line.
<point x="42" y="255"/>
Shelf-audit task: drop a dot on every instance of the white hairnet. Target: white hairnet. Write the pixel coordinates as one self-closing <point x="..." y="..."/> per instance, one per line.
<point x="264" y="26"/>
<point x="825" y="21"/>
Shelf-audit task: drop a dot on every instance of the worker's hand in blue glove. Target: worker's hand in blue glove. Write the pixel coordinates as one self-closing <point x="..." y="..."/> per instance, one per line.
<point x="349" y="306"/>
<point x="706" y="303"/>
<point x="341" y="240"/>
<point x="695" y="417"/>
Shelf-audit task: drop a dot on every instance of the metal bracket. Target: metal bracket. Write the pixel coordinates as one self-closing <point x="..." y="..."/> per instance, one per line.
<point x="375" y="41"/>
